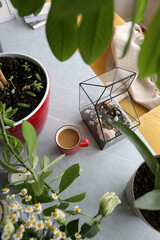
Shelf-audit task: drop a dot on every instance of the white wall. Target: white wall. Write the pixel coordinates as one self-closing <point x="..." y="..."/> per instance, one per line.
<point x="124" y="9"/>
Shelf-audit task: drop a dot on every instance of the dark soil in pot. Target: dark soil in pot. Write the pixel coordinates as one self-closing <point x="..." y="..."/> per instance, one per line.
<point x="26" y="85"/>
<point x="143" y="183"/>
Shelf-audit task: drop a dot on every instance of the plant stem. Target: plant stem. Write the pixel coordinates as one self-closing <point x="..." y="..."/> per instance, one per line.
<point x="87" y="215"/>
<point x="10" y="147"/>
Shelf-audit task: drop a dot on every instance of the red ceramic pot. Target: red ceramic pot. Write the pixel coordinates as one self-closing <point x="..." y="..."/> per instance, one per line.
<point x="37" y="117"/>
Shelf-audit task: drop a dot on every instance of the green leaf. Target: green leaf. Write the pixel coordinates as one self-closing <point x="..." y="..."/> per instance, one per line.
<point x="55" y="161"/>
<point x="28" y="6"/>
<point x="72" y="227"/>
<point x="149" y="56"/>
<point x="46" y="174"/>
<point x="9" y="168"/>
<point x="90" y="230"/>
<point x="49" y="210"/>
<point x="44" y="162"/>
<point x="157" y="178"/>
<point x="141" y="147"/>
<point x="138" y="15"/>
<point x="8" y="122"/>
<point x="149" y="201"/>
<point x="10" y="113"/>
<point x="62" y="35"/>
<point x="63" y="206"/>
<point x="6" y="155"/>
<point x="35" y="162"/>
<point x="95" y="32"/>
<point x="72" y="8"/>
<point x="76" y="198"/>
<point x="69" y="176"/>
<point x="38" y="185"/>
<point x="71" y="212"/>
<point x="43" y="198"/>
<point x="29" y="135"/>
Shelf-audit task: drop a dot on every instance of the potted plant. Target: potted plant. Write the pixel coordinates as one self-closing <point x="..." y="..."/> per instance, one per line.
<point x="27" y="91"/>
<point x="143" y="189"/>
<point x="27" y="216"/>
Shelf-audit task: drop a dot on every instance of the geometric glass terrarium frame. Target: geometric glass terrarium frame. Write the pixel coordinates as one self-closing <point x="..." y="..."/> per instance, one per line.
<point x="100" y="102"/>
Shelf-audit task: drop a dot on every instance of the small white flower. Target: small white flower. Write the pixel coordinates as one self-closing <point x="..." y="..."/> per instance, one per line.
<point x="68" y="238"/>
<point x="47" y="219"/>
<point x="55" y="215"/>
<point x="28" y="224"/>
<point x="21" y="229"/>
<point x="58" y="234"/>
<point x="48" y="224"/>
<point x="28" y="198"/>
<point x="54" y="196"/>
<point x="33" y="239"/>
<point x="13" y="206"/>
<point x="11" y="196"/>
<point x="32" y="219"/>
<point x="77" y="235"/>
<point x="18" y="236"/>
<point x="40" y="225"/>
<point x="5" y="190"/>
<point x="31" y="181"/>
<point x="37" y="208"/>
<point x="28" y="173"/>
<point x="63" y="235"/>
<point x="13" y="218"/>
<point x="29" y="209"/>
<point x="53" y="229"/>
<point x="5" y="235"/>
<point x="23" y="192"/>
<point x="77" y="209"/>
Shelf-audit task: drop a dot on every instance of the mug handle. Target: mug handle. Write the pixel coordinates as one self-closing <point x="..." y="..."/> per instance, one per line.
<point x="84" y="142"/>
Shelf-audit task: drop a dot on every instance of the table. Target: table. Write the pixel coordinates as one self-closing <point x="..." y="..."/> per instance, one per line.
<point x="109" y="169"/>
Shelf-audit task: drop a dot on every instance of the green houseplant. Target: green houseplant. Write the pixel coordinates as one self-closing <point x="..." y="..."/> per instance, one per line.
<point x="28" y="214"/>
<point x="143" y="189"/>
<point x="95" y="31"/>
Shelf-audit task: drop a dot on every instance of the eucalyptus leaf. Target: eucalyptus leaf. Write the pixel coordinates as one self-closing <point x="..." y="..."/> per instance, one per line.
<point x="38" y="185"/>
<point x="61" y="35"/>
<point x="63" y="206"/>
<point x="149" y="56"/>
<point x="69" y="176"/>
<point x="76" y="198"/>
<point x="29" y="135"/>
<point x="149" y="201"/>
<point x="44" y="162"/>
<point x="9" y="168"/>
<point x="141" y="147"/>
<point x="95" y="32"/>
<point x="28" y="6"/>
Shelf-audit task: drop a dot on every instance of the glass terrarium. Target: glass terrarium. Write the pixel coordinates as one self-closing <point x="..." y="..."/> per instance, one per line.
<point x="105" y="98"/>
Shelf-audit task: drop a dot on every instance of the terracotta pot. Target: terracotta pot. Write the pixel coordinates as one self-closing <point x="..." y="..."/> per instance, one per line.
<point x="38" y="116"/>
<point x="130" y="194"/>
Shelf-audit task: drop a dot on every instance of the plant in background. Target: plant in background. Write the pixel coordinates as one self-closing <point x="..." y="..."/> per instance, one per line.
<point x="94" y="32"/>
<point x="29" y="216"/>
<point x="150" y="200"/>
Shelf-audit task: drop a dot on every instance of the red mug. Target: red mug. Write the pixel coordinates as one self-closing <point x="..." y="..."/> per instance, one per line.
<point x="69" y="139"/>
